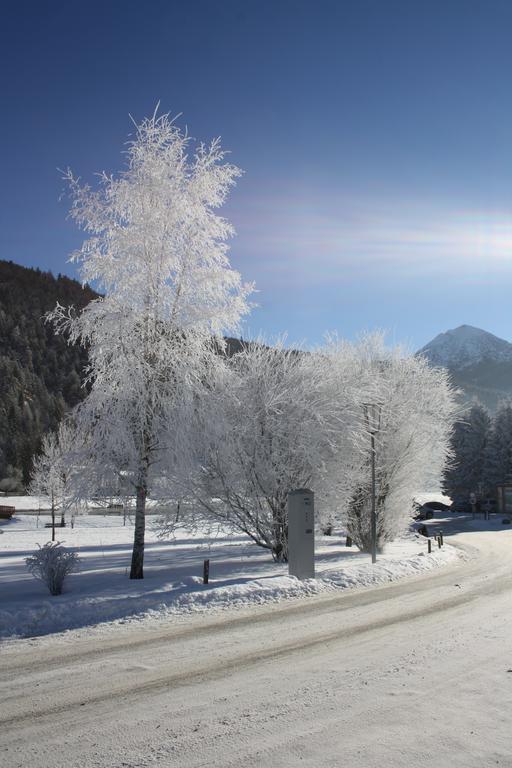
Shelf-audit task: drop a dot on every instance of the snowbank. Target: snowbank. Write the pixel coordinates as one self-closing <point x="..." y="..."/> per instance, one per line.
<point x="241" y="575"/>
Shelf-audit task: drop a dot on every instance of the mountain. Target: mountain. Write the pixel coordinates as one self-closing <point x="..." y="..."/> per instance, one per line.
<point x="40" y="374"/>
<point x="466" y="346"/>
<point x="479" y="363"/>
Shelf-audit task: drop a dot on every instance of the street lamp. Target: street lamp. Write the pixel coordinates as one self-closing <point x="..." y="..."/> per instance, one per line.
<point x="372" y="414"/>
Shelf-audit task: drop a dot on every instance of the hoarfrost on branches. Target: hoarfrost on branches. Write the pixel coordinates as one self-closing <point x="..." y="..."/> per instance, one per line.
<point x="158" y="250"/>
<point x="51" y="564"/>
<point x="272" y="425"/>
<point x="282" y="419"/>
<point x="53" y="469"/>
<point x="417" y="408"/>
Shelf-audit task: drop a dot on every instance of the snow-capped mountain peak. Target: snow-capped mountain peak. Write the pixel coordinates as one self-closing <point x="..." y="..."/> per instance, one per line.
<point x="465" y="346"/>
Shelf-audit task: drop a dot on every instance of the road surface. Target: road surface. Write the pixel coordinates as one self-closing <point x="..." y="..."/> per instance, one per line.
<point x="417" y="673"/>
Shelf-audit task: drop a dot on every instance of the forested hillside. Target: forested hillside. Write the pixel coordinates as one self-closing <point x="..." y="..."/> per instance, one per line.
<point x="40" y="374"/>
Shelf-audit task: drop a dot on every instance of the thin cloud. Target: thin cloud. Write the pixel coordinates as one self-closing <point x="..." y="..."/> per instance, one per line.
<point x="305" y="237"/>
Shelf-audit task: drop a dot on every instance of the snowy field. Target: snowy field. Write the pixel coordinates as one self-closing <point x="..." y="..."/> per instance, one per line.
<point x="241" y="573"/>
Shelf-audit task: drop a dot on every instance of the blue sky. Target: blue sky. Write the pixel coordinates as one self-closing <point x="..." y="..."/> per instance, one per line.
<point x="375" y="135"/>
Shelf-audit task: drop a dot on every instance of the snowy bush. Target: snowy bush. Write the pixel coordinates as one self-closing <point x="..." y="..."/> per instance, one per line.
<point x="51" y="564"/>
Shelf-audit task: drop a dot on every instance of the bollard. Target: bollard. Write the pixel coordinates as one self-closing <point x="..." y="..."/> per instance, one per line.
<point x="429" y="546"/>
<point x="206" y="571"/>
<point x="441" y="537"/>
<point x="348" y="543"/>
<point x="439" y="542"/>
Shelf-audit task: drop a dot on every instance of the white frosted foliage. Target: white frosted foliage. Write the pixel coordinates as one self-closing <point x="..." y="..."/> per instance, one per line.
<point x="158" y="250"/>
<point x="280" y="419"/>
<point x="417" y="408"/>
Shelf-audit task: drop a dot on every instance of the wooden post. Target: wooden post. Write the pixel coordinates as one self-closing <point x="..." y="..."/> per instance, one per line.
<point x="441" y="537"/>
<point x="53" y="517"/>
<point x="439" y="542"/>
<point x="348" y="543"/>
<point x="429" y="546"/>
<point x="206" y="571"/>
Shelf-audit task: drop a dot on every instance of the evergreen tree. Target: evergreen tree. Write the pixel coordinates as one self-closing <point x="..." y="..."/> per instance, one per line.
<point x="498" y="459"/>
<point x="465" y="473"/>
<point x="40" y="374"/>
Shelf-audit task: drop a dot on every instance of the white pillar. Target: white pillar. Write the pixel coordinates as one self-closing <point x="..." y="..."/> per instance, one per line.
<point x="301" y="534"/>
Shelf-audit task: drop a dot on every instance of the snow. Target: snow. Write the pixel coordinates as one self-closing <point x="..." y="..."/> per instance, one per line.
<point x="25" y="503"/>
<point x="413" y="673"/>
<point x="241" y="574"/>
<point x="465" y="346"/>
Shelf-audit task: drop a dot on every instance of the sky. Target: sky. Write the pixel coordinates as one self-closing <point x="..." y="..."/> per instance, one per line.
<point x="375" y="138"/>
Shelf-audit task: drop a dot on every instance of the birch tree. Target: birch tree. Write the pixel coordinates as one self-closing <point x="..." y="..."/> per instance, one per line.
<point x="53" y="469"/>
<point x="158" y="251"/>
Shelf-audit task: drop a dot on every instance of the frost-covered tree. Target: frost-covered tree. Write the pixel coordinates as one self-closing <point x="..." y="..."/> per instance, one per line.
<point x="284" y="419"/>
<point x="498" y="460"/>
<point x="416" y="409"/>
<point x="53" y="469"/>
<point x="158" y="251"/>
<point x="465" y="472"/>
<point x="272" y="425"/>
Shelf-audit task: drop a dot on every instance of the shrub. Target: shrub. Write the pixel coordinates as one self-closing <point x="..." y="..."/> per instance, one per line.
<point x="51" y="564"/>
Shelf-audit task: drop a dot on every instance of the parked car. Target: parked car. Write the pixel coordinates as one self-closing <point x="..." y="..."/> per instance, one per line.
<point x="427" y="511"/>
<point x="437" y="506"/>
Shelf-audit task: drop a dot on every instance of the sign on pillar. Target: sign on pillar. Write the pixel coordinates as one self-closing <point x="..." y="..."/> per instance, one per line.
<point x="301" y="534"/>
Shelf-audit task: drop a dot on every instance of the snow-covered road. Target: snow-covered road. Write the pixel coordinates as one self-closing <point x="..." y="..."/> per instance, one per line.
<point x="417" y="673"/>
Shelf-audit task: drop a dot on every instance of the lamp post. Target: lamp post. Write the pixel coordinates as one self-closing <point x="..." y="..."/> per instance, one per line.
<point x="372" y="413"/>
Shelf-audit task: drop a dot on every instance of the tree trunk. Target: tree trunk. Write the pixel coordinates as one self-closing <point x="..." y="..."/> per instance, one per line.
<point x="53" y="518"/>
<point x="279" y="553"/>
<point x="280" y="534"/>
<point x="137" y="569"/>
